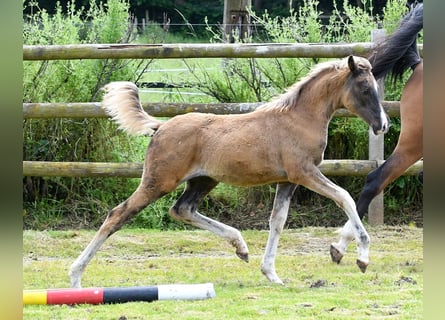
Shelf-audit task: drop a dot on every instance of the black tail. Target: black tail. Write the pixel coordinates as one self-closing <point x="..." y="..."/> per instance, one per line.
<point x="398" y="51"/>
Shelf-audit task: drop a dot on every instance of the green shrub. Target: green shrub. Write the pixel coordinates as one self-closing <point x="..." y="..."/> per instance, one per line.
<point x="82" y="199"/>
<point x="83" y="202"/>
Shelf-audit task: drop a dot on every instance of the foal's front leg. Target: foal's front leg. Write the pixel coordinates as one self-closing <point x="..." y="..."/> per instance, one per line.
<point x="353" y="229"/>
<point x="338" y="249"/>
<point x="276" y="223"/>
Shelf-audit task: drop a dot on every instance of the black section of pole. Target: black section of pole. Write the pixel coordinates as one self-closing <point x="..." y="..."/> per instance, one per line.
<point x="130" y="294"/>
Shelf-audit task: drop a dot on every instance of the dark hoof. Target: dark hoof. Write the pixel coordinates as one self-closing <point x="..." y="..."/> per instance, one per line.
<point x="362" y="265"/>
<point x="243" y="256"/>
<point x="336" y="256"/>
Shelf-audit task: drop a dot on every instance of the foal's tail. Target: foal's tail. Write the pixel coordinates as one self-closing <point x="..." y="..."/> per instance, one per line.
<point x="121" y="102"/>
<point x="398" y="51"/>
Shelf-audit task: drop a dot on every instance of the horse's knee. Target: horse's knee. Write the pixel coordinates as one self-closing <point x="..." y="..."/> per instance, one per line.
<point x="372" y="183"/>
<point x="369" y="191"/>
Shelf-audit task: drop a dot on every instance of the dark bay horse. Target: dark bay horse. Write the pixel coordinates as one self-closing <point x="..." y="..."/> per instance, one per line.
<point x="281" y="142"/>
<point x="394" y="56"/>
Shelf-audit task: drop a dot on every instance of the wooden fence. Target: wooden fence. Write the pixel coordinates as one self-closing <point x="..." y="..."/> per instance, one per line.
<point x="164" y="51"/>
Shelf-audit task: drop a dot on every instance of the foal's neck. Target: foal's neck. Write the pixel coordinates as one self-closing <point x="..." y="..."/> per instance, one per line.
<point x="320" y="99"/>
<point x="315" y="98"/>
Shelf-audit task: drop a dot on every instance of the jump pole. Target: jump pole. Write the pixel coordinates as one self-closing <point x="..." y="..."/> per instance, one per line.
<point x="72" y="296"/>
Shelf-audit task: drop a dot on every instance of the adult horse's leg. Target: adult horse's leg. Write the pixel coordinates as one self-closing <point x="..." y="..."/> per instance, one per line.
<point x="409" y="146"/>
<point x="116" y="218"/>
<point x="377" y="180"/>
<point x="354" y="228"/>
<point x="276" y="223"/>
<point x="185" y="209"/>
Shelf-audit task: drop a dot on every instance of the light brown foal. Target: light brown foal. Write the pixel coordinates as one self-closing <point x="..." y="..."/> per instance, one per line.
<point x="281" y="142"/>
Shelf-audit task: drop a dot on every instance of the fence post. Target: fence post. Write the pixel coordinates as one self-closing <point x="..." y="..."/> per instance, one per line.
<point x="376" y="145"/>
<point x="236" y="19"/>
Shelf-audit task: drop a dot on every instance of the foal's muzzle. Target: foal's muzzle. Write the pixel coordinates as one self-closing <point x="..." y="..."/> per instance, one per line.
<point x="384" y="124"/>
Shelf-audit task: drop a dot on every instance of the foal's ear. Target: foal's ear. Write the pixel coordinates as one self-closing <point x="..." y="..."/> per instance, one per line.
<point x="351" y="64"/>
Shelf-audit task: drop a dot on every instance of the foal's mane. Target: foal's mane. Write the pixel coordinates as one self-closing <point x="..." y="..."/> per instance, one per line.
<point x="290" y="98"/>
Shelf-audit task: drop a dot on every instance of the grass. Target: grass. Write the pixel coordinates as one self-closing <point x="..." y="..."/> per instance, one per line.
<point x="175" y="71"/>
<point x="315" y="288"/>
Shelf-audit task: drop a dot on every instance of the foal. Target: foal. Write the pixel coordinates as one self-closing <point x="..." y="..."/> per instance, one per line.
<point x="281" y="142"/>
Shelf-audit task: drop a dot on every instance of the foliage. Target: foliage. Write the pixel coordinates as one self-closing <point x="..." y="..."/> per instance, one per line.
<point x="80" y="202"/>
<point x="72" y="139"/>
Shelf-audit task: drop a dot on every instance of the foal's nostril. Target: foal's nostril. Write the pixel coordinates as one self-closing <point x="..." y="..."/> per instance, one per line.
<point x="386" y="123"/>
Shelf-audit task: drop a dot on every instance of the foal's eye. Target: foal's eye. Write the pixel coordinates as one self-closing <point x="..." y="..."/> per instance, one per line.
<point x="366" y="91"/>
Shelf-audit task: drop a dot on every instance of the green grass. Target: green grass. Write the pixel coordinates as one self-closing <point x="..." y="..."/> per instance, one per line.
<point x="175" y="71"/>
<point x="391" y="288"/>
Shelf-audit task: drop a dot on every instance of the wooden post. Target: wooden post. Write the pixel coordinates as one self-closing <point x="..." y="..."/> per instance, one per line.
<point x="376" y="144"/>
<point x="236" y="19"/>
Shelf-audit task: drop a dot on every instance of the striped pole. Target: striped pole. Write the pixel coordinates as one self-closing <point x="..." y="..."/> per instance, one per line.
<point x="119" y="295"/>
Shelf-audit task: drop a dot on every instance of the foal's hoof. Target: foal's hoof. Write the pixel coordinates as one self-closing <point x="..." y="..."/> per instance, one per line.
<point x="243" y="256"/>
<point x="336" y="255"/>
<point x="274" y="278"/>
<point x="362" y="265"/>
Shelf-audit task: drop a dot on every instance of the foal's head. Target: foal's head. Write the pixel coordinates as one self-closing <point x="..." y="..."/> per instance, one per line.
<point x="361" y="95"/>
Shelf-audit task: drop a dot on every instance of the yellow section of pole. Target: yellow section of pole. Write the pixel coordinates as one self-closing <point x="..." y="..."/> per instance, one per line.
<point x="34" y="297"/>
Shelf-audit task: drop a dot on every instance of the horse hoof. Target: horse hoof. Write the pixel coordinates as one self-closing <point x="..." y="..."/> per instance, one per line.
<point x="243" y="256"/>
<point x="272" y="276"/>
<point x="336" y="255"/>
<point x="276" y="280"/>
<point x="362" y="265"/>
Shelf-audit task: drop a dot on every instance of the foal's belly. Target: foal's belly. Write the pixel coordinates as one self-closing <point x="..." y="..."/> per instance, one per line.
<point x="245" y="173"/>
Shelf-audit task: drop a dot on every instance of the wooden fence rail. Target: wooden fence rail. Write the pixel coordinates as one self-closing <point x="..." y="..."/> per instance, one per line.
<point x="169" y="51"/>
<point x="219" y="50"/>
<point x="134" y="170"/>
<point x="161" y="109"/>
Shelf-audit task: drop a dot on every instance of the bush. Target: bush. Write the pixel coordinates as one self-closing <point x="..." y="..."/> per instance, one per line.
<point x="82" y="202"/>
<point x="76" y="199"/>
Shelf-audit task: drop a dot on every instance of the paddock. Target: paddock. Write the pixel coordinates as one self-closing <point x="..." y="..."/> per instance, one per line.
<point x="313" y="286"/>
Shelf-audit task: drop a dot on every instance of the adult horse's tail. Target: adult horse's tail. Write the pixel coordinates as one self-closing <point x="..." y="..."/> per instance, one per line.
<point x="121" y="102"/>
<point x="398" y="52"/>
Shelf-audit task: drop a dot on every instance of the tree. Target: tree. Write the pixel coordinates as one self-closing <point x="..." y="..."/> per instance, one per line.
<point x="194" y="11"/>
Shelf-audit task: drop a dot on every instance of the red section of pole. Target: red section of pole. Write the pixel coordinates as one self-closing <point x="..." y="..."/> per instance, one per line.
<point x="75" y="296"/>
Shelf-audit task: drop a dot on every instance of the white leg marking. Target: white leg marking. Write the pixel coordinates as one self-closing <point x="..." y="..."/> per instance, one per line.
<point x="232" y="235"/>
<point x="84" y="258"/>
<point x="346" y="236"/>
<point x="276" y="224"/>
<point x="354" y="226"/>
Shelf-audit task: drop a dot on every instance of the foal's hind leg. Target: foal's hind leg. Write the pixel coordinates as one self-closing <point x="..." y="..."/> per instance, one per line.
<point x="353" y="228"/>
<point x="115" y="220"/>
<point x="276" y="223"/>
<point x="185" y="209"/>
